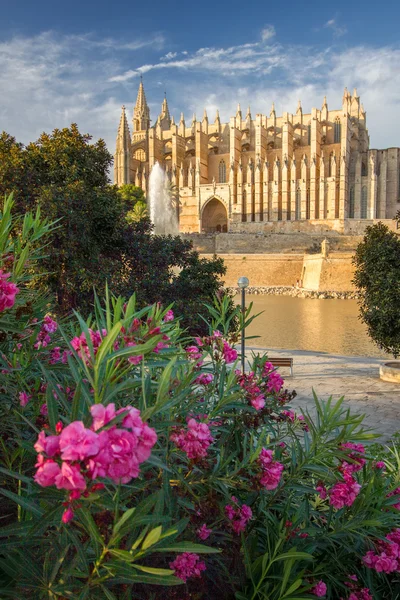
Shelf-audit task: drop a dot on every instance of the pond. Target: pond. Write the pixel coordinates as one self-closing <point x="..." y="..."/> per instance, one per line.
<point x="312" y="324"/>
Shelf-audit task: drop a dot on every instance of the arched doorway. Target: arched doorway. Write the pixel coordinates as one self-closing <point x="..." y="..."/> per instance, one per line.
<point x="214" y="217"/>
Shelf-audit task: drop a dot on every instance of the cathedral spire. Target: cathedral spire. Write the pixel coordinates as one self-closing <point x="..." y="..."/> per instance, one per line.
<point x="217" y="120"/>
<point x="272" y="113"/>
<point x="248" y="114"/>
<point x="122" y="151"/>
<point x="205" y="118"/>
<point x="123" y="136"/>
<point x="165" y="117"/>
<point x="299" y="109"/>
<point x="141" y="112"/>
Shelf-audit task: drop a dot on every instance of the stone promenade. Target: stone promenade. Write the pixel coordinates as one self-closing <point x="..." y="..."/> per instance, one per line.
<point x="356" y="378"/>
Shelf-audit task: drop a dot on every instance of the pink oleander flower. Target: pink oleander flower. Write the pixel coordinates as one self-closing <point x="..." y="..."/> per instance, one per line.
<point x="77" y="442"/>
<point x="239" y="517"/>
<point x="204" y="532"/>
<point x="68" y="515"/>
<point x="290" y="415"/>
<point x="118" y="455"/>
<point x="70" y="478"/>
<point x="363" y="594"/>
<point x="344" y="492"/>
<point x="271" y="470"/>
<point x="380" y="465"/>
<point x="193" y="352"/>
<point x="187" y="565"/>
<point x="275" y="382"/>
<point x="81" y="347"/>
<point x="50" y="444"/>
<point x="24" y="398"/>
<point x="359" y="461"/>
<point x="8" y="291"/>
<point x="169" y="316"/>
<point x="195" y="441"/>
<point x="47" y="472"/>
<point x="49" y="325"/>
<point x="229" y="353"/>
<point x="396" y="492"/>
<point x="160" y="346"/>
<point x="205" y="378"/>
<point x="102" y="415"/>
<point x="44" y="411"/>
<point x="258" y="402"/>
<point x="55" y="355"/>
<point x="321" y="489"/>
<point x="135" y="360"/>
<point x="319" y="590"/>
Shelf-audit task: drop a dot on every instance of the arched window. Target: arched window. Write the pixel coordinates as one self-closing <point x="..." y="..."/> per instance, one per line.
<point x="140" y="155"/>
<point x="244" y="206"/>
<point x="337" y="131"/>
<point x="351" y="203"/>
<point x="298" y="204"/>
<point x="364" y="206"/>
<point x="308" y="135"/>
<point x="364" y="171"/>
<point x="222" y="172"/>
<point x="308" y="204"/>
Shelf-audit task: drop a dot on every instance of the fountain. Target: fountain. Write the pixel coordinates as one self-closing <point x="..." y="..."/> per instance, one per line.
<point x="163" y="214"/>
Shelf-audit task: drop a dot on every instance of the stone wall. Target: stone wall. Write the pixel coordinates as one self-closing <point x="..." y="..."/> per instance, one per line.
<point x="262" y="269"/>
<point x="334" y="273"/>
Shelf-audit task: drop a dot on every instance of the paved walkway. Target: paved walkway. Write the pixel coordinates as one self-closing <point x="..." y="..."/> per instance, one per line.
<point x="356" y="378"/>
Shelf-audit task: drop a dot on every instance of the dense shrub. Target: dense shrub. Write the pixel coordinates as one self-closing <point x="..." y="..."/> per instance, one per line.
<point x="134" y="457"/>
<point x="377" y="278"/>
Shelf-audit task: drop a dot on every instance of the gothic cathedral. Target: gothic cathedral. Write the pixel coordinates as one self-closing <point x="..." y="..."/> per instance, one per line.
<point x="297" y="172"/>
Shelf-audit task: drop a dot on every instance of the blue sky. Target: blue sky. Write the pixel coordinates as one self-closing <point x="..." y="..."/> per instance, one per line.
<point x="80" y="61"/>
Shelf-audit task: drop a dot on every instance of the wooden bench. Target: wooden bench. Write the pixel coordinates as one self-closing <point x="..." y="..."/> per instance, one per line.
<point x="282" y="362"/>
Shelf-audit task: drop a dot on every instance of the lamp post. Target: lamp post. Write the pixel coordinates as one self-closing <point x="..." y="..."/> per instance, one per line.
<point x="243" y="283"/>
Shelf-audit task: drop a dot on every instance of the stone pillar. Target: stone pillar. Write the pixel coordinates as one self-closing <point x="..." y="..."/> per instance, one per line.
<point x="258" y="192"/>
<point x="372" y="186"/>
<point x="345" y="150"/>
<point x="303" y="187"/>
<point x="382" y="187"/>
<point x="267" y="216"/>
<point x="156" y="153"/>
<point x="293" y="188"/>
<point x="276" y="190"/>
<point x="314" y="188"/>
<point x="323" y="208"/>
<point x="357" y="188"/>
<point x="249" y="192"/>
<point x="287" y="156"/>
<point x="201" y="144"/>
<point x="239" y="193"/>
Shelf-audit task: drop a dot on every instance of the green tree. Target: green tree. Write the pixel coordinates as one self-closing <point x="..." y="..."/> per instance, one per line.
<point x="377" y="278"/>
<point x="131" y="194"/>
<point x="67" y="176"/>
<point x="138" y="212"/>
<point x="166" y="269"/>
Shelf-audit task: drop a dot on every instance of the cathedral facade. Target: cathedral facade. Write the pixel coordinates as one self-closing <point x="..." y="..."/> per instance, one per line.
<point x="294" y="172"/>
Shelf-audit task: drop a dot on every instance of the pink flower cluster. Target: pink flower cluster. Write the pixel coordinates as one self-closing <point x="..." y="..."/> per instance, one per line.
<point x="356" y="456"/>
<point x="291" y="416"/>
<point x="271" y="470"/>
<point x="169" y="316"/>
<point x="48" y="326"/>
<point x="24" y="398"/>
<point x="387" y="557"/>
<point x="204" y="532"/>
<point x="81" y="346"/>
<point x="238" y="516"/>
<point x="319" y="590"/>
<point x="187" y="565"/>
<point x="396" y="492"/>
<point x="275" y="381"/>
<point x="343" y="493"/>
<point x="229" y="353"/>
<point x="8" y="291"/>
<point x="78" y="455"/>
<point x="249" y="382"/>
<point x="205" y="378"/>
<point x="194" y="440"/>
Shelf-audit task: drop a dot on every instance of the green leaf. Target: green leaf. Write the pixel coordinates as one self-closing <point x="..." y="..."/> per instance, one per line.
<point x="154" y="571"/>
<point x="26" y="504"/>
<point x="152" y="537"/>
<point x="189" y="547"/>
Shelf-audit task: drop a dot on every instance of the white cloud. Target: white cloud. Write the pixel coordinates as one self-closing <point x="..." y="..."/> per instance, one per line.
<point x="337" y="30"/>
<point x="50" y="81"/>
<point x="169" y="55"/>
<point x="267" y="33"/>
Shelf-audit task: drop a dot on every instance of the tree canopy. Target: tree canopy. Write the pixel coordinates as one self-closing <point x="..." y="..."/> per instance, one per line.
<point x="103" y="232"/>
<point x="377" y="278"/>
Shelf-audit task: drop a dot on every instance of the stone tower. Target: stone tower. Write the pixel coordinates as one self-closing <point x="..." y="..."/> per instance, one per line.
<point x="122" y="160"/>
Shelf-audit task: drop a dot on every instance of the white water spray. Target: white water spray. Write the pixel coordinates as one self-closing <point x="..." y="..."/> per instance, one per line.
<point x="163" y="214"/>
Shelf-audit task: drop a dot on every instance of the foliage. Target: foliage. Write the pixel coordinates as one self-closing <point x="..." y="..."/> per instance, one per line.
<point x="240" y="497"/>
<point x="377" y="278"/>
<point x="166" y="269"/>
<point x="104" y="234"/>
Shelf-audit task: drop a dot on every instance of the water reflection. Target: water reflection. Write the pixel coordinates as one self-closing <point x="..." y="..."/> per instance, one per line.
<point x="310" y="324"/>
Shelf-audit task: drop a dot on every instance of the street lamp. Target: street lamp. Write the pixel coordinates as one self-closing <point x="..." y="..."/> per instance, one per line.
<point x="243" y="283"/>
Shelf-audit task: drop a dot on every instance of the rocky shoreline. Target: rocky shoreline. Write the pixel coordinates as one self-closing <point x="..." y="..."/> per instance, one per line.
<point x="296" y="292"/>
